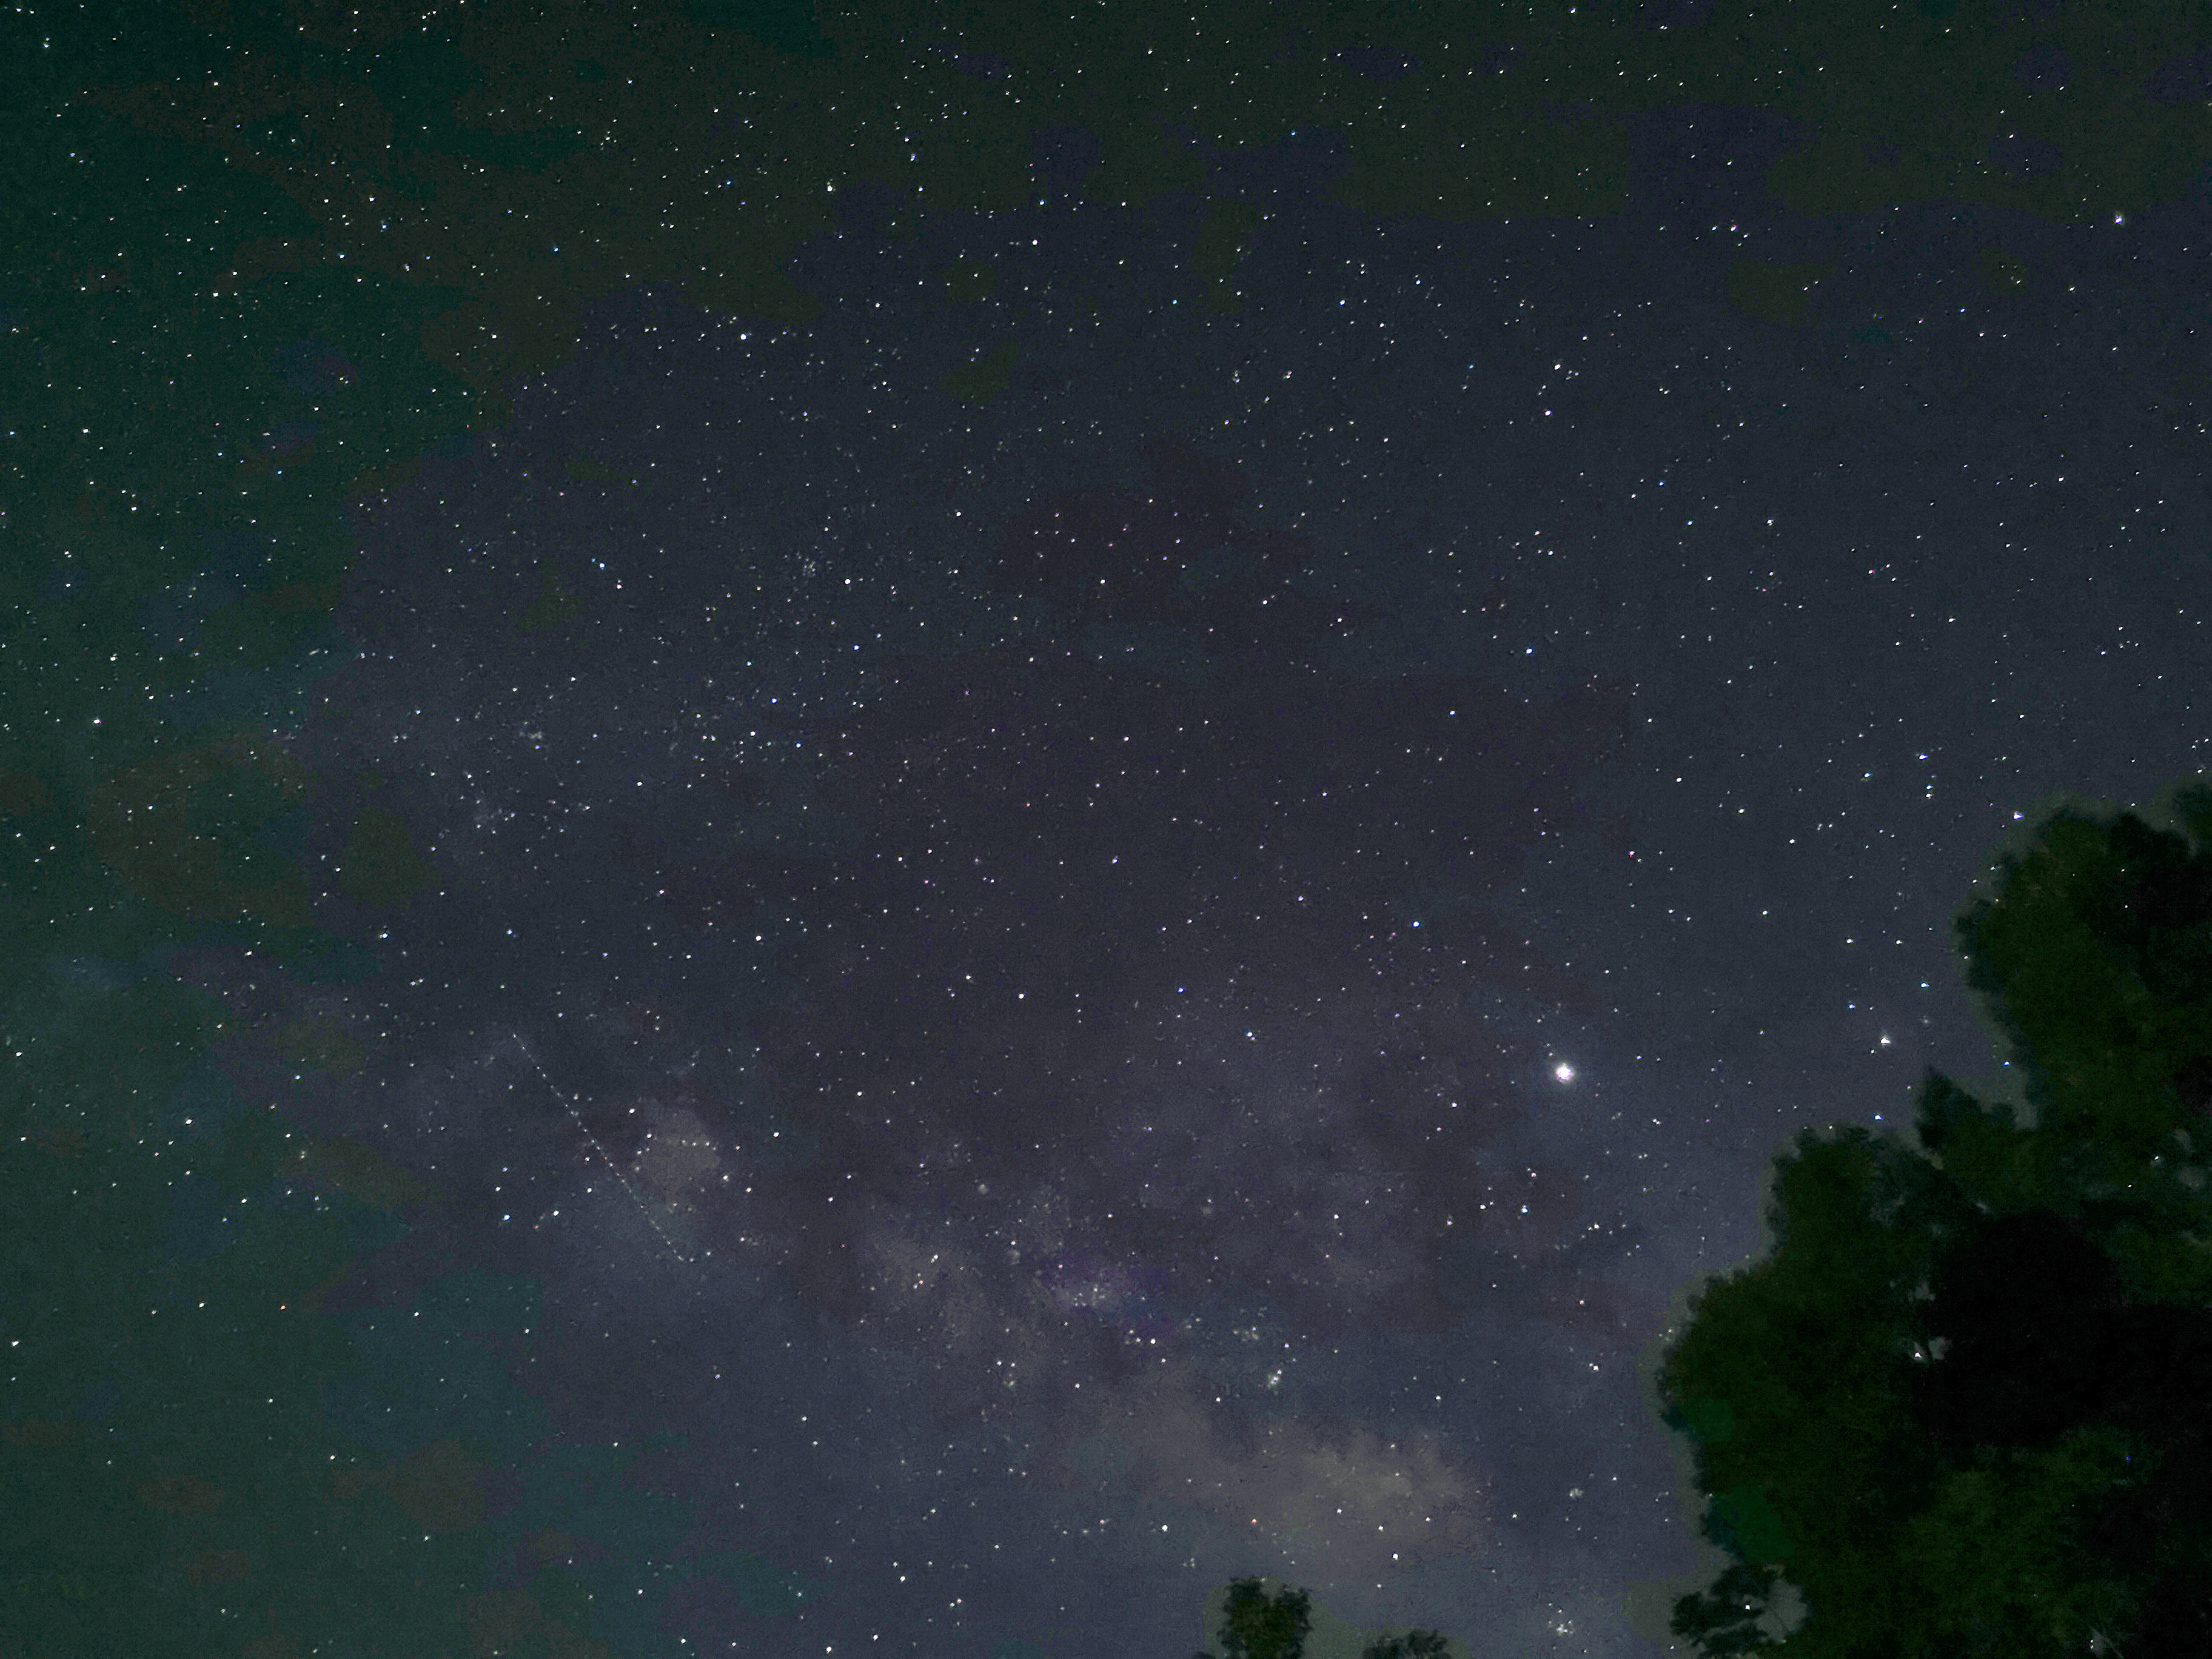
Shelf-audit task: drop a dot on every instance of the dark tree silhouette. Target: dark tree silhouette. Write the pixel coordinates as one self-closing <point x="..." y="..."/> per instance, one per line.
<point x="1728" y="1617"/>
<point x="284" y="221"/>
<point x="1412" y="1645"/>
<point x="2024" y="1316"/>
<point x="1255" y="1625"/>
<point x="1964" y="1404"/>
<point x="1258" y="1626"/>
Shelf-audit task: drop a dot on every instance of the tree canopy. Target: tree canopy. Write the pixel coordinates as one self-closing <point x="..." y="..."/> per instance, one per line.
<point x="1964" y="1404"/>
<point x="260" y="260"/>
<point x="1256" y="1624"/>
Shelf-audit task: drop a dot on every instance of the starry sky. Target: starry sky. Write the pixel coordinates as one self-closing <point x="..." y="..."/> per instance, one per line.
<point x="1172" y="973"/>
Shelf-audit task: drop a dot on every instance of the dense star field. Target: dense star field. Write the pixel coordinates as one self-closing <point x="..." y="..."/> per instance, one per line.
<point x="1102" y="917"/>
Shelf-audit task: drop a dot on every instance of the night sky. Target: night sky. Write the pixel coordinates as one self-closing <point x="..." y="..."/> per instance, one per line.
<point x="1173" y="974"/>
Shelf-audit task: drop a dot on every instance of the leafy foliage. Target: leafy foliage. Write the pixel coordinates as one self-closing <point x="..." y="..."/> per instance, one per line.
<point x="1257" y="1625"/>
<point x="1410" y="1644"/>
<point x="259" y="261"/>
<point x="1965" y="1404"/>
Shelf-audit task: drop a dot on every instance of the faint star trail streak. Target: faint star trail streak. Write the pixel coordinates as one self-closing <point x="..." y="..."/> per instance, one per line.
<point x="601" y="1150"/>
